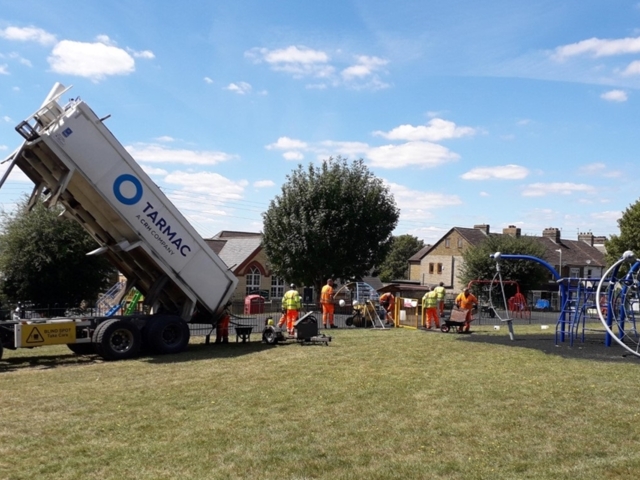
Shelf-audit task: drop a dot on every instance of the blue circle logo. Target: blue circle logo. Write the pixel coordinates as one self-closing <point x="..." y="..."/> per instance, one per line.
<point x="118" y="184"/>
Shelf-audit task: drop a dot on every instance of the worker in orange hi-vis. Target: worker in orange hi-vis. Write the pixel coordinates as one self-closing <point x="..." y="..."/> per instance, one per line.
<point x="440" y="293"/>
<point x="430" y="303"/>
<point x="222" y="329"/>
<point x="466" y="300"/>
<point x="388" y="302"/>
<point x="326" y="299"/>
<point x="291" y="304"/>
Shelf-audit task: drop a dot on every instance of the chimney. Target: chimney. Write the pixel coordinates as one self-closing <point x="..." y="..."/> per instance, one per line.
<point x="599" y="240"/>
<point x="586" y="238"/>
<point x="511" y="230"/>
<point x="484" y="227"/>
<point x="552" y="233"/>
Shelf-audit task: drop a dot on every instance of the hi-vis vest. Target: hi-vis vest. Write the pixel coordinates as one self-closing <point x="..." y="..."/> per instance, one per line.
<point x="291" y="300"/>
<point x="326" y="294"/>
<point x="440" y="292"/>
<point x="430" y="300"/>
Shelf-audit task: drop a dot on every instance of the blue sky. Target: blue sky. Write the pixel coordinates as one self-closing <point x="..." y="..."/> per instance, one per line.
<point x="503" y="112"/>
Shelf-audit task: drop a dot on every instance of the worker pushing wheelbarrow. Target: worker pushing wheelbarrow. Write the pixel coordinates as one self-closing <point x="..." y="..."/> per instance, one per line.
<point x="462" y="312"/>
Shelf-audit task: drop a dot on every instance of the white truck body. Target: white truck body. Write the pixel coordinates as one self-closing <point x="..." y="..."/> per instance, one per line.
<point x="73" y="158"/>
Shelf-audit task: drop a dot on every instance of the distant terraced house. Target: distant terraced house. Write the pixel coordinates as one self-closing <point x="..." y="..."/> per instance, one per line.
<point x="442" y="261"/>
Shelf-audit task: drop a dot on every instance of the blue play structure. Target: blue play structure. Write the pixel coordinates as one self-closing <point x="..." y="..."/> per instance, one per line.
<point x="577" y="299"/>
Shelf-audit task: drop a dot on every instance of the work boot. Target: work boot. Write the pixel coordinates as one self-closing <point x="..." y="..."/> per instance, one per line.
<point x="334" y="326"/>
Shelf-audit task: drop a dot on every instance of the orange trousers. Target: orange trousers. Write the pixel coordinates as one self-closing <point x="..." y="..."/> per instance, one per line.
<point x="222" y="330"/>
<point x="432" y="317"/>
<point x="327" y="314"/>
<point x="290" y="317"/>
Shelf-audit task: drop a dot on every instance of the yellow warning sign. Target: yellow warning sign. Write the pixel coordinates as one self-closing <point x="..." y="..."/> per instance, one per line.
<point x="40" y="334"/>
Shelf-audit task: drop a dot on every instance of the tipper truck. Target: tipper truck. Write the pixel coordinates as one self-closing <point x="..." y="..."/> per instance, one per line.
<point x="75" y="161"/>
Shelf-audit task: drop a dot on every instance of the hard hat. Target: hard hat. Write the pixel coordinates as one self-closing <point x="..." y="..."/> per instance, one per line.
<point x="293" y="285"/>
<point x="355" y="303"/>
<point x="341" y="302"/>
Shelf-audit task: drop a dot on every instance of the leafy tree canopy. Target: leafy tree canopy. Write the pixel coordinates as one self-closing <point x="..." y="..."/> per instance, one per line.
<point x="332" y="220"/>
<point x="396" y="264"/>
<point x="478" y="265"/>
<point x="43" y="259"/>
<point x="629" y="238"/>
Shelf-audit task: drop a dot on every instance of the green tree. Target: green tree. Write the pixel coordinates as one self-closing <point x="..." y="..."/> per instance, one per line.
<point x="43" y="259"/>
<point x="396" y="264"/>
<point x="629" y="238"/>
<point x="478" y="264"/>
<point x="333" y="220"/>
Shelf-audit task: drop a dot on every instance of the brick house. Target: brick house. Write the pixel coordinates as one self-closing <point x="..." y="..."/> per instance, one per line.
<point x="442" y="261"/>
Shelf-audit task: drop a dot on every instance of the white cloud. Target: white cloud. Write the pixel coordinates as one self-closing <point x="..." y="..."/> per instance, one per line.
<point x="363" y="73"/>
<point x="4" y="69"/>
<point x="298" y="61"/>
<point x="632" y="69"/>
<point x="437" y="129"/>
<point x="165" y="139"/>
<point x="28" y="34"/>
<point x="600" y="170"/>
<point x="208" y="80"/>
<point x="502" y="172"/>
<point x="91" y="60"/>
<point x="346" y="149"/>
<point x="559" y="188"/>
<point x="264" y="184"/>
<point x="7" y="119"/>
<point x="607" y="216"/>
<point x="293" y="155"/>
<point x="286" y="143"/>
<point x="152" y="153"/>
<point x="240" y="88"/>
<point x="147" y="54"/>
<point x="364" y="67"/>
<point x="416" y="205"/>
<point x="153" y="170"/>
<point x="484" y="194"/>
<point x="615" y="96"/>
<point x="597" y="47"/>
<point x="208" y="183"/>
<point x="421" y="154"/>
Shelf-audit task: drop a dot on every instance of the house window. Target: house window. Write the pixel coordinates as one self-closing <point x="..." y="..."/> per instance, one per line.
<point x="277" y="287"/>
<point x="431" y="269"/>
<point x="588" y="273"/>
<point x="439" y="269"/>
<point x="459" y="243"/>
<point x="447" y="243"/>
<point x="253" y="281"/>
<point x="574" y="272"/>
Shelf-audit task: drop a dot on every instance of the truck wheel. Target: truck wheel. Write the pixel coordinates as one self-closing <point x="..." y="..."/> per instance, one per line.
<point x="82" y="348"/>
<point x="1" y="350"/>
<point x="117" y="340"/>
<point x="167" y="334"/>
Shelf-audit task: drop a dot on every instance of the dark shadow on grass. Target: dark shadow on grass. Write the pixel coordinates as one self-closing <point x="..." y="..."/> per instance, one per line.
<point x="46" y="362"/>
<point x="198" y="351"/>
<point x="593" y="348"/>
<point x="202" y="351"/>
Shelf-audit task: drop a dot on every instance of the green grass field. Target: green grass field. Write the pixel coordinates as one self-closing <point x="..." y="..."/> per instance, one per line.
<point x="395" y="404"/>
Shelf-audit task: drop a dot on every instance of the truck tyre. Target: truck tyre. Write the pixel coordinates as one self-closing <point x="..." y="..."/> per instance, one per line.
<point x="167" y="334"/>
<point x="1" y="350"/>
<point x="117" y="340"/>
<point x="82" y="348"/>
